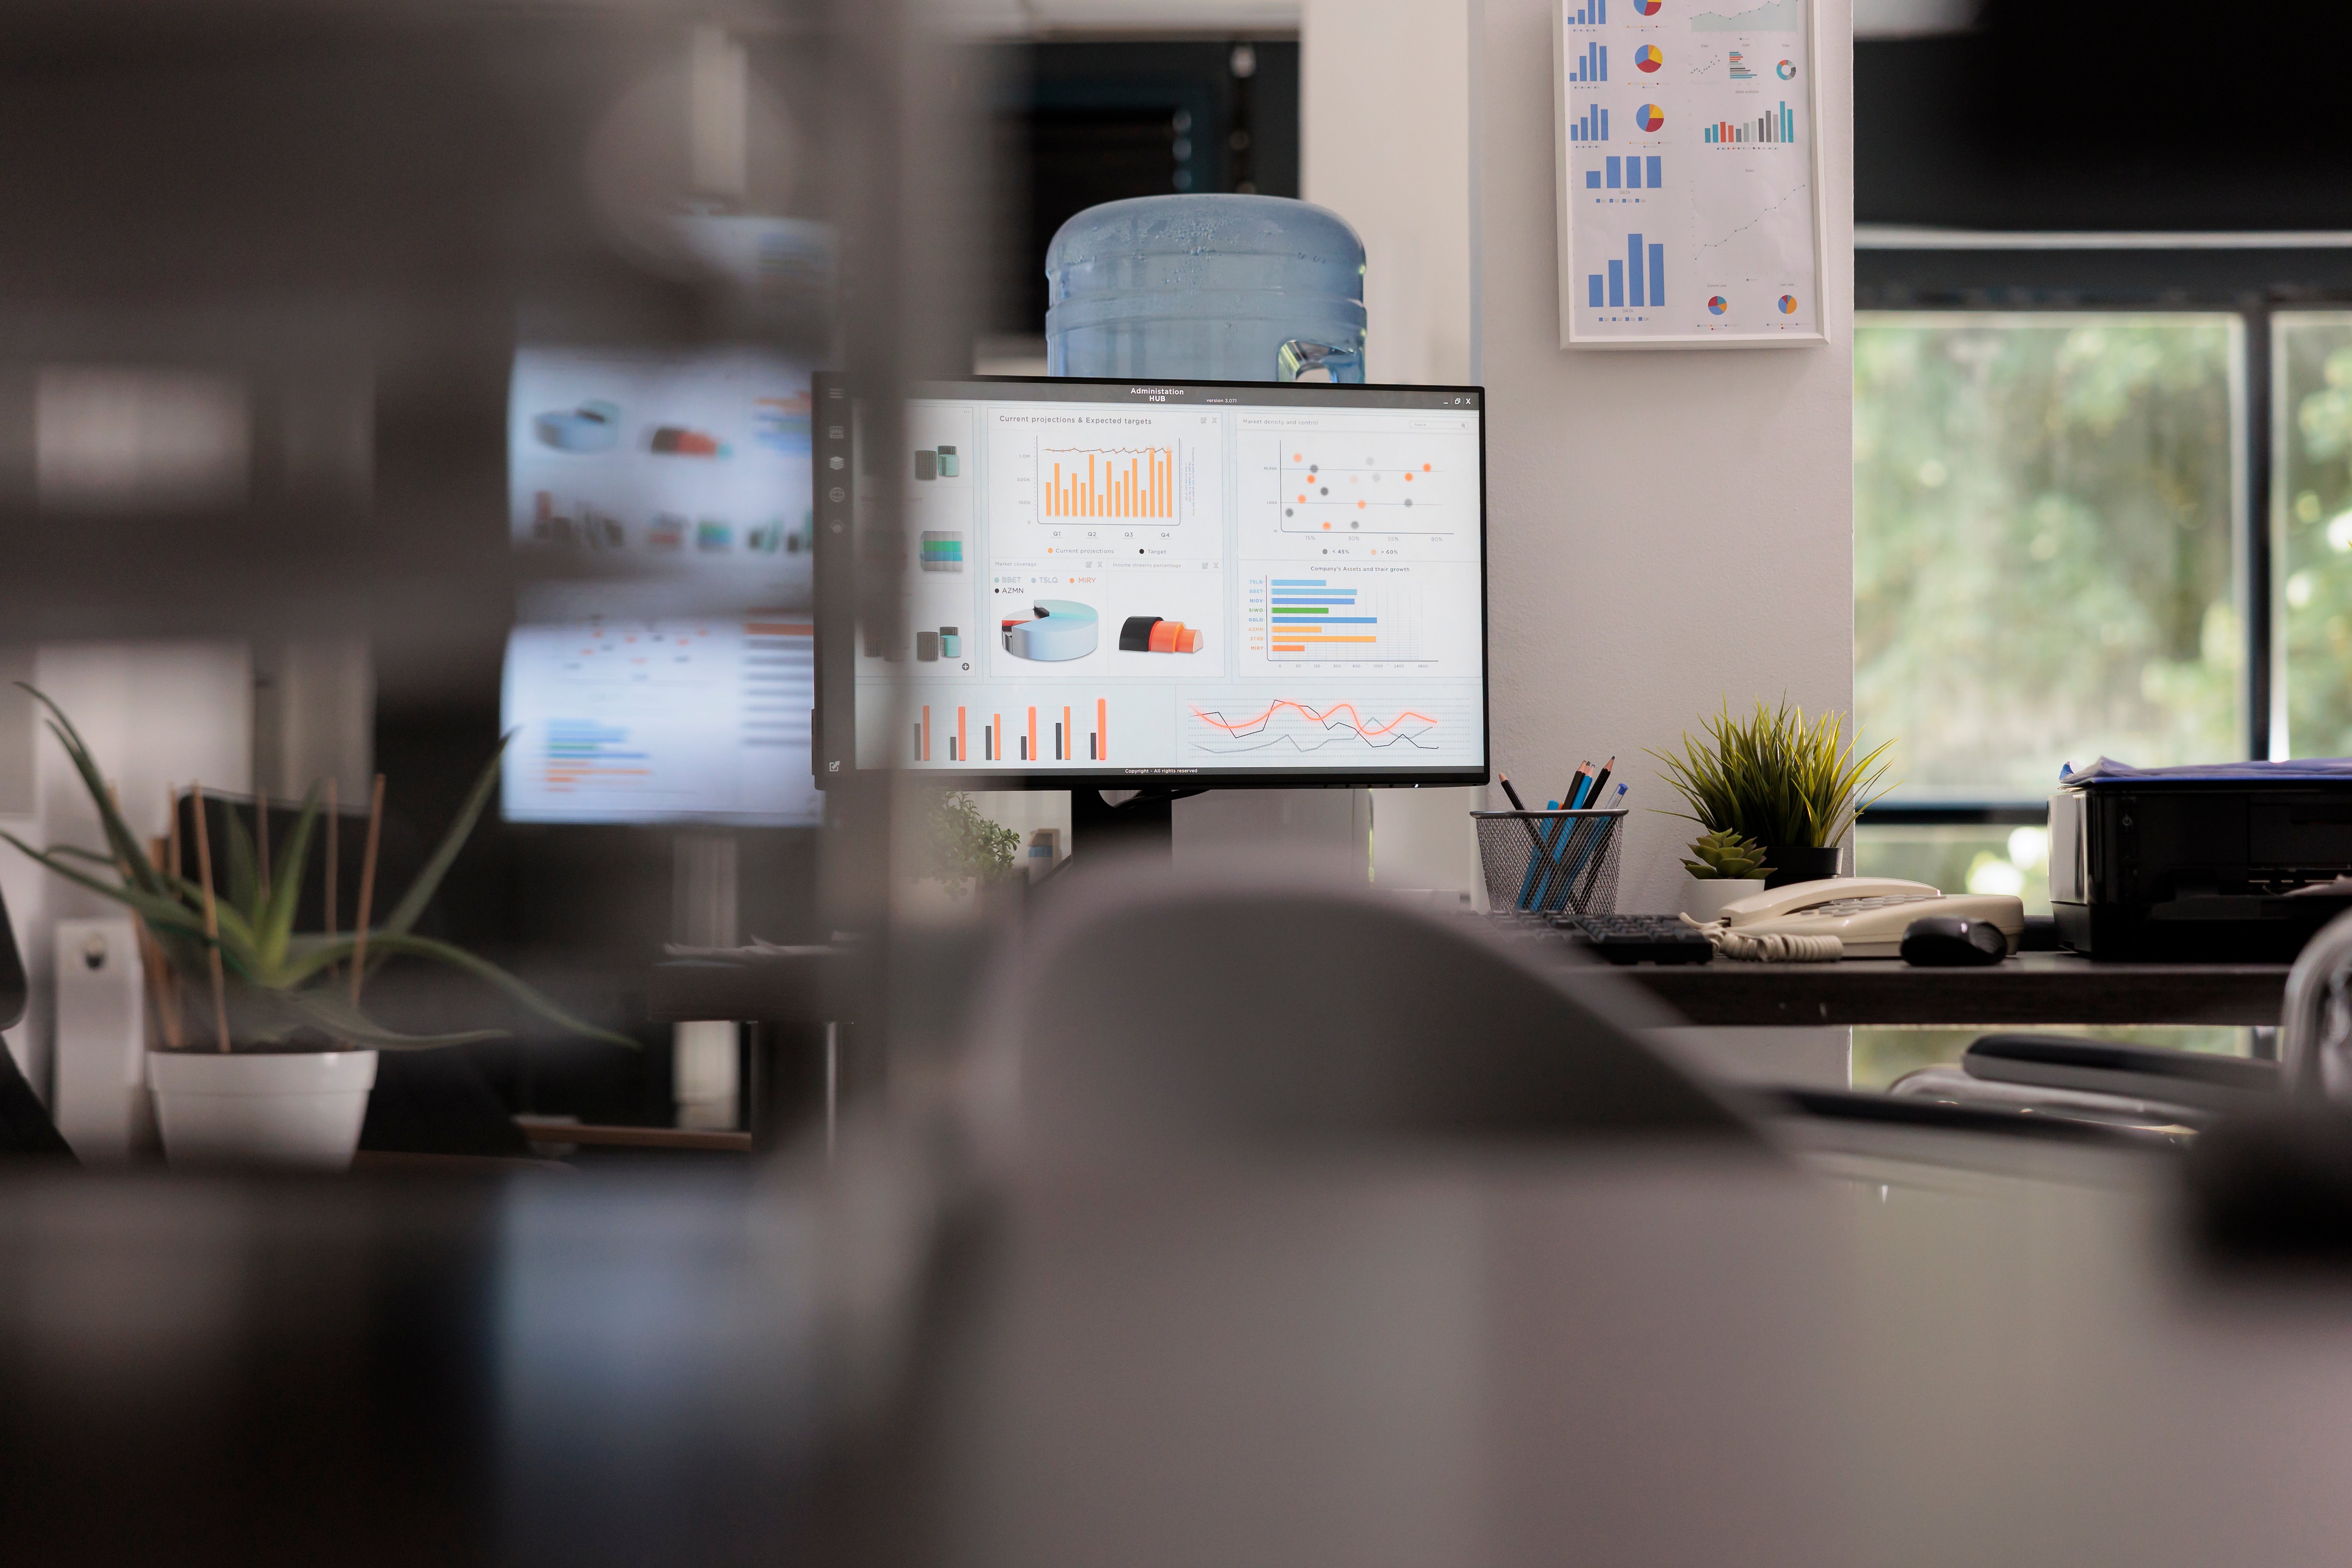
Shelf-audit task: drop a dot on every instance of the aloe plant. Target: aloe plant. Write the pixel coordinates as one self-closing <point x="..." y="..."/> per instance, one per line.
<point x="1726" y="854"/>
<point x="281" y="980"/>
<point x="1776" y="777"/>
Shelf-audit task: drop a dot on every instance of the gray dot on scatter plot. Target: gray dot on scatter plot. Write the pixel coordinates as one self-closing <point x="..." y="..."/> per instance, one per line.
<point x="1287" y="512"/>
<point x="1408" y="500"/>
<point x="1324" y="491"/>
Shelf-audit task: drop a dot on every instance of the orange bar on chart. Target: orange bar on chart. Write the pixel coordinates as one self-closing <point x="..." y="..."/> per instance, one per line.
<point x="1070" y="736"/>
<point x="997" y="722"/>
<point x="1033" y="734"/>
<point x="1102" y="730"/>
<point x="963" y="741"/>
<point x="927" y="732"/>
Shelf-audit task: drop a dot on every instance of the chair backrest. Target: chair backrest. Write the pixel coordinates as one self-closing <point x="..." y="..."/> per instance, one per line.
<point x="1153" y="1009"/>
<point x="25" y="1124"/>
<point x="2316" y="1019"/>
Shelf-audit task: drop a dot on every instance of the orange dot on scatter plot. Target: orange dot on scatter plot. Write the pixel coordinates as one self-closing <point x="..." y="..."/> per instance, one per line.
<point x="1408" y="479"/>
<point x="1327" y="525"/>
<point x="1360" y="506"/>
<point x="1302" y="498"/>
<point x="1296" y="458"/>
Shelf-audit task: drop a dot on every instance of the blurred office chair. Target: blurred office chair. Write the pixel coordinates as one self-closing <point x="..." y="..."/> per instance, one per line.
<point x="1150" y="1009"/>
<point x="25" y="1124"/>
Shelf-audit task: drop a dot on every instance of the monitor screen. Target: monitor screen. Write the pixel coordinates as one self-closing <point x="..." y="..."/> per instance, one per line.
<point x="1250" y="583"/>
<point x="661" y="667"/>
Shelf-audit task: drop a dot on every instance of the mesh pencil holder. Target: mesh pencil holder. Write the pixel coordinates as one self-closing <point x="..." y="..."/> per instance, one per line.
<point x="1551" y="862"/>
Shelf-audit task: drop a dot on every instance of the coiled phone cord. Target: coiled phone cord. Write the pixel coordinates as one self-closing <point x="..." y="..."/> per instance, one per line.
<point x="1768" y="948"/>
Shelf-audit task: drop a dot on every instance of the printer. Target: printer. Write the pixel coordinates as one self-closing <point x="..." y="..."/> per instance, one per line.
<point x="2241" y="861"/>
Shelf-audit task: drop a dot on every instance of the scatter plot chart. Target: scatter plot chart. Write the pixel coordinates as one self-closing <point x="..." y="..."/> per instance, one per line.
<point x="1326" y="485"/>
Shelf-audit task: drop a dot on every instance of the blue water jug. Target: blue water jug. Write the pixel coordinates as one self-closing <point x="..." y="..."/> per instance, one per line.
<point x="1206" y="287"/>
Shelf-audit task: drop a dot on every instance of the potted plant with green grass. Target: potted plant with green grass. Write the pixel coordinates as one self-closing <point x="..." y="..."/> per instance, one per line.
<point x="265" y="1055"/>
<point x="1780" y="780"/>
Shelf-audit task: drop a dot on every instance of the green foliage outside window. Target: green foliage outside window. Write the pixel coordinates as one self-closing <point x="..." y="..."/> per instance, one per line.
<point x="2045" y="557"/>
<point x="2315" y="359"/>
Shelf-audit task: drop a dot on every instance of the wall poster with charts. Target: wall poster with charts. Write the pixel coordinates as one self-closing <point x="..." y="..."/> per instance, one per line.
<point x="1690" y="174"/>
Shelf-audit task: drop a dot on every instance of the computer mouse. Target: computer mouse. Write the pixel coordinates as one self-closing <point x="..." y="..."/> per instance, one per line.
<point x="1949" y="942"/>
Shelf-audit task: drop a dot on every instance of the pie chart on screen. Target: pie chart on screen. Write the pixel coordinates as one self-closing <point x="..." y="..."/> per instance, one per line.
<point x="1649" y="117"/>
<point x="1717" y="305"/>
<point x="1649" y="57"/>
<point x="1788" y="304"/>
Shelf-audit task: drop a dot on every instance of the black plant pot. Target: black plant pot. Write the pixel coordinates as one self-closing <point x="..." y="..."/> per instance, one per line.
<point x="1794" y="864"/>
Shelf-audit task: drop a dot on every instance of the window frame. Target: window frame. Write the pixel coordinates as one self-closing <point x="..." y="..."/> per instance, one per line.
<point x="2265" y="280"/>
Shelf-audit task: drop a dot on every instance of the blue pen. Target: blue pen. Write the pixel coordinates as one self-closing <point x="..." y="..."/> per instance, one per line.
<point x="1561" y="836"/>
<point x="1541" y="859"/>
<point x="1594" y="845"/>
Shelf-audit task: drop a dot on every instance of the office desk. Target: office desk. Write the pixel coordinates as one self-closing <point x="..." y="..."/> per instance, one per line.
<point x="1530" y="1356"/>
<point x="2026" y="988"/>
<point x="2029" y="988"/>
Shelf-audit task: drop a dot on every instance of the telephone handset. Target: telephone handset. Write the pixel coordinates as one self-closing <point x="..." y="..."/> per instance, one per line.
<point x="1868" y="914"/>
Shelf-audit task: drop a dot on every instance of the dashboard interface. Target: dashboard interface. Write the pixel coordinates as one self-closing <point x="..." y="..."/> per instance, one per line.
<point x="1281" y="580"/>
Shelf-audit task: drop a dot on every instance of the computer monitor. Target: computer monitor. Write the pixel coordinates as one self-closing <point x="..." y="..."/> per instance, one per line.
<point x="661" y="667"/>
<point x="1132" y="584"/>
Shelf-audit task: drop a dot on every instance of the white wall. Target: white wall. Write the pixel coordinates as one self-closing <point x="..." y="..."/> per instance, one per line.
<point x="154" y="715"/>
<point x="1384" y="140"/>
<point x="1385" y="124"/>
<point x="1664" y="529"/>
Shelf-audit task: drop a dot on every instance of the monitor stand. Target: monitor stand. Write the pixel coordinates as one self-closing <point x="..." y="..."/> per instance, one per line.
<point x="1144" y="823"/>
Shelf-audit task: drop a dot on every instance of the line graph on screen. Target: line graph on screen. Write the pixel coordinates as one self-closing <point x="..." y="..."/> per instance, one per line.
<point x="1391" y="731"/>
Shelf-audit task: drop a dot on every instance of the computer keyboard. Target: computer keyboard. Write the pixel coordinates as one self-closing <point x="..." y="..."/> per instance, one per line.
<point x="1642" y="939"/>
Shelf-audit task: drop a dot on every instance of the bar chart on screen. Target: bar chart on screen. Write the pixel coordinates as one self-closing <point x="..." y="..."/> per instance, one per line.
<point x="1342" y="730"/>
<point x="1318" y="618"/>
<point x="1057" y="730"/>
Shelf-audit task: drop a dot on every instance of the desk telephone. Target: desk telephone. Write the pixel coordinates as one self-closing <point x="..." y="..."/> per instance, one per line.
<point x="1868" y="914"/>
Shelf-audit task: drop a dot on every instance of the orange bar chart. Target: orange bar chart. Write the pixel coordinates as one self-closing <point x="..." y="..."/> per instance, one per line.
<point x="1102" y="730"/>
<point x="1128" y="483"/>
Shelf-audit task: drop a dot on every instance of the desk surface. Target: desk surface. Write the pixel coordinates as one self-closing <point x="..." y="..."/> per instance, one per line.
<point x="1611" y="1357"/>
<point x="2030" y="988"/>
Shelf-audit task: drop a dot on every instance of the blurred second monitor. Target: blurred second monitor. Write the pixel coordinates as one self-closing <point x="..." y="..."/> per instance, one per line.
<point x="661" y="665"/>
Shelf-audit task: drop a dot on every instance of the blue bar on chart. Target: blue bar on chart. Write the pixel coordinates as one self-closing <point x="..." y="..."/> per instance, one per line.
<point x="1634" y="266"/>
<point x="1615" y="176"/>
<point x="1594" y="66"/>
<point x="1594" y="126"/>
<point x="1654" y="181"/>
<point x="1592" y="290"/>
<point x="1657" y="275"/>
<point x="1591" y="179"/>
<point x="1305" y="613"/>
<point x="1617" y="285"/>
<point x="1595" y="15"/>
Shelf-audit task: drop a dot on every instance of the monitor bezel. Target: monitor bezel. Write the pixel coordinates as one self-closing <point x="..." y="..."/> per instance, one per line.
<point x="834" y="752"/>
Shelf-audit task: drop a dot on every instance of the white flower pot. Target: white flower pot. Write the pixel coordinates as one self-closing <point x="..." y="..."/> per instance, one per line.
<point x="1703" y="897"/>
<point x="299" y="1110"/>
